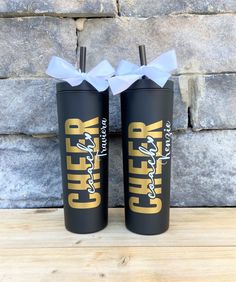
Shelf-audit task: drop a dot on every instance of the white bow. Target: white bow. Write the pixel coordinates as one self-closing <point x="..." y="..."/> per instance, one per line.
<point x="98" y="76"/>
<point x="159" y="71"/>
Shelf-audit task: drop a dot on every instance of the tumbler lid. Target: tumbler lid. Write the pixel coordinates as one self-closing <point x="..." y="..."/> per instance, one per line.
<point x="84" y="86"/>
<point x="149" y="84"/>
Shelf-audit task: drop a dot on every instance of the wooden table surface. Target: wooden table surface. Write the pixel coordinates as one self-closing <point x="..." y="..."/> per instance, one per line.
<point x="199" y="246"/>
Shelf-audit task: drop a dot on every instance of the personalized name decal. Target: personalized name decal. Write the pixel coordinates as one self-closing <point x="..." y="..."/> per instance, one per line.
<point x="146" y="156"/>
<point x="103" y="138"/>
<point x="83" y="140"/>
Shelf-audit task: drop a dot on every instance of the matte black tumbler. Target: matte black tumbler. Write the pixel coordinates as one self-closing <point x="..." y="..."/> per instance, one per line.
<point x="147" y="111"/>
<point x="83" y="125"/>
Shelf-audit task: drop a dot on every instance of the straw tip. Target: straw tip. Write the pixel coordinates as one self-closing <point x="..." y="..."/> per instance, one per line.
<point x="141" y="47"/>
<point x="142" y="55"/>
<point x="83" y="58"/>
<point x="83" y="50"/>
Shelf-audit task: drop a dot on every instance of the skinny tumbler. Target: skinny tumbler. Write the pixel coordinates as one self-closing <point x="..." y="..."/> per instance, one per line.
<point x="147" y="111"/>
<point x="83" y="125"/>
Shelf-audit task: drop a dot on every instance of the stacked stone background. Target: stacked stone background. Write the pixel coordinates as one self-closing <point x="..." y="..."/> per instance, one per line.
<point x="204" y="142"/>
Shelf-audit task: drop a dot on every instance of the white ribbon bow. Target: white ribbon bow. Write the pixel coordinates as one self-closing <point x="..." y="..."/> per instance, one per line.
<point x="159" y="71"/>
<point x="98" y="76"/>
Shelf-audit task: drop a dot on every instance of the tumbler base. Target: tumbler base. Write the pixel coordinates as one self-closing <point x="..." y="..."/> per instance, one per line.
<point x="144" y="232"/>
<point x="73" y="230"/>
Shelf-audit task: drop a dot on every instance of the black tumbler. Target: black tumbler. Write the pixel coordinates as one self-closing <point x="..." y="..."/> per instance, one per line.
<point x="147" y="111"/>
<point x="83" y="130"/>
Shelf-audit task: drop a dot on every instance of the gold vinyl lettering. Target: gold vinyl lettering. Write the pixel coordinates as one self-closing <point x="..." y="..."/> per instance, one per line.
<point x="155" y="206"/>
<point x="82" y="181"/>
<point x="82" y="186"/>
<point x="83" y="163"/>
<point x="136" y="153"/>
<point x="78" y="177"/>
<point x="145" y="166"/>
<point x="79" y="166"/>
<point x="142" y="169"/>
<point x="74" y="126"/>
<point x="74" y="149"/>
<point x="74" y="203"/>
<point x="142" y="185"/>
<point x="140" y="130"/>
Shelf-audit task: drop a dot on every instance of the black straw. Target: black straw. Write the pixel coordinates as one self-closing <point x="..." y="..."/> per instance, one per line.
<point x="82" y="59"/>
<point x="142" y="55"/>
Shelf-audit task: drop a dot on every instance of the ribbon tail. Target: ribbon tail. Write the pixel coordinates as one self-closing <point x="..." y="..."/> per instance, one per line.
<point x="100" y="83"/>
<point x="166" y="61"/>
<point x="103" y="69"/>
<point x="61" y="69"/>
<point x="125" y="68"/>
<point x="158" y="76"/>
<point x="122" y="82"/>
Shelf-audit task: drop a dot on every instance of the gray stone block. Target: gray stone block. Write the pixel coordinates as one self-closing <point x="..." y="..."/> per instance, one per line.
<point x="28" y="43"/>
<point x="29" y="172"/>
<point x="72" y="8"/>
<point x="28" y="105"/>
<point x="204" y="168"/>
<point x="214" y="102"/>
<point x="181" y="102"/>
<point x="203" y="43"/>
<point x="149" y="8"/>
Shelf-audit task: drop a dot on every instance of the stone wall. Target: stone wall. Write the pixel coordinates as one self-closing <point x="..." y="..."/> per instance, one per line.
<point x="204" y="143"/>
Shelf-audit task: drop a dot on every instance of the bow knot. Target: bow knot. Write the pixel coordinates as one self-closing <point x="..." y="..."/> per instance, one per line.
<point x="97" y="77"/>
<point x="159" y="71"/>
